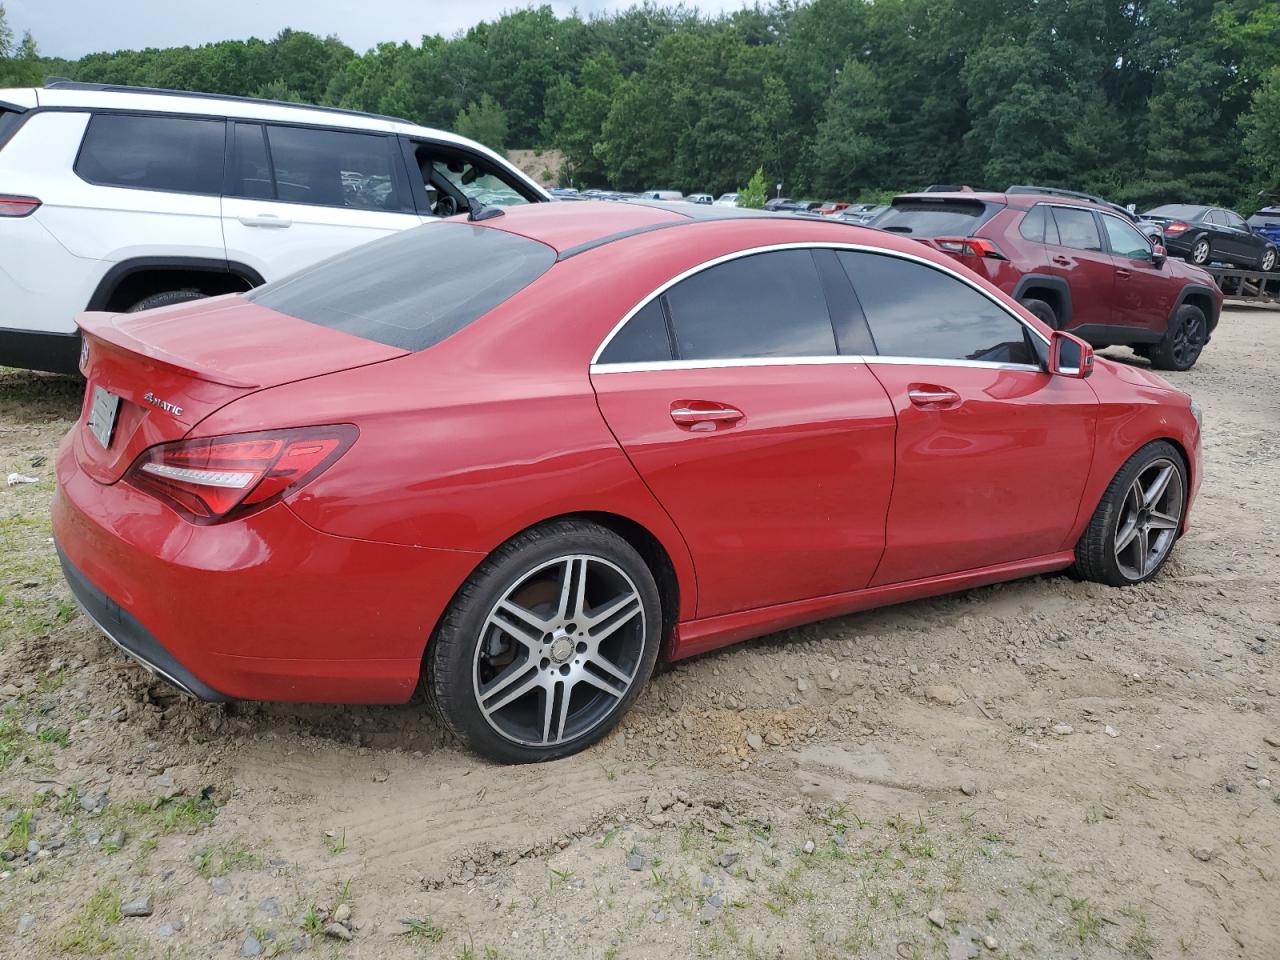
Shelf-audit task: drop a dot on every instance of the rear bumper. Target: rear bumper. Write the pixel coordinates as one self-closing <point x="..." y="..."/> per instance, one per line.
<point x="264" y="608"/>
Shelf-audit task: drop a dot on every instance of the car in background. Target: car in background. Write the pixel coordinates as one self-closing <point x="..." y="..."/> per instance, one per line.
<point x="864" y="214"/>
<point x="345" y="486"/>
<point x="1076" y="264"/>
<point x="125" y="199"/>
<point x="787" y="205"/>
<point x="703" y="198"/>
<point x="1266" y="223"/>
<point x="1202" y="235"/>
<point x="727" y="200"/>
<point x="664" y="195"/>
<point x="831" y="208"/>
<point x="565" y="193"/>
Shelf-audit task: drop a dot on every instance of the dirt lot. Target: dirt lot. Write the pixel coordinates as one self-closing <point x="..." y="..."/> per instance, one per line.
<point x="1061" y="768"/>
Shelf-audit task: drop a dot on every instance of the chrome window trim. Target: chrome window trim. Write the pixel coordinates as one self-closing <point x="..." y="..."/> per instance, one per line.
<point x="597" y="367"/>
<point x="724" y="362"/>
<point x="945" y="362"/>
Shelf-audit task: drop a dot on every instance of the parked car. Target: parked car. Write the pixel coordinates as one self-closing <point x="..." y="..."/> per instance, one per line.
<point x="703" y="198"/>
<point x="1202" y="235"/>
<point x="727" y="200"/>
<point x="865" y="215"/>
<point x="787" y="205"/>
<point x="432" y="460"/>
<point x="1266" y="223"/>
<point x="666" y="195"/>
<point x="565" y="193"/>
<point x="1076" y="264"/>
<point x="124" y="198"/>
<point x="831" y="208"/>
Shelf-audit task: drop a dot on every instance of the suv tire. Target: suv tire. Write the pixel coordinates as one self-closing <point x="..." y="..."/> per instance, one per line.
<point x="165" y="298"/>
<point x="1042" y="311"/>
<point x="1184" y="340"/>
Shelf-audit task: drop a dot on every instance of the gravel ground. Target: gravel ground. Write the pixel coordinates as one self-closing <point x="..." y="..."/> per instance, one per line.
<point x="1045" y="768"/>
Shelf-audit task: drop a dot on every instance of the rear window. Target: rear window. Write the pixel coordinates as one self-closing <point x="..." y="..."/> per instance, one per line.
<point x="1179" y="211"/>
<point x="413" y="289"/>
<point x="936" y="218"/>
<point x="8" y="121"/>
<point x="1266" y="218"/>
<point x="173" y="154"/>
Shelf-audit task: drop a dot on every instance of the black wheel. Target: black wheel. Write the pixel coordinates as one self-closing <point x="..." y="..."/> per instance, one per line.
<point x="166" y="298"/>
<point x="1136" y="524"/>
<point x="1269" y="260"/>
<point x="1042" y="311"/>
<point x="1183" y="341"/>
<point x="547" y="645"/>
<point x="1200" y="252"/>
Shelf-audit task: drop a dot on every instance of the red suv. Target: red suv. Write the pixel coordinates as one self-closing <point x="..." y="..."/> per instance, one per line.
<point x="1075" y="264"/>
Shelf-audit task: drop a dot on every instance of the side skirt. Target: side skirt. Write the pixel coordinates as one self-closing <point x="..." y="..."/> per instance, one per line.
<point x="698" y="636"/>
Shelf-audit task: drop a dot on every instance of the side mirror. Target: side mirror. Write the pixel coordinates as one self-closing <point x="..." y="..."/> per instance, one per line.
<point x="1069" y="356"/>
<point x="1158" y="255"/>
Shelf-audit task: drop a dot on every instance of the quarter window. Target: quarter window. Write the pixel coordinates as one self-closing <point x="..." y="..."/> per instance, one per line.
<point x="1126" y="240"/>
<point x="643" y="339"/>
<point x="1032" y="225"/>
<point x="1077" y="228"/>
<point x="172" y="154"/>
<point x="336" y="168"/>
<point x="917" y="311"/>
<point x="764" y="305"/>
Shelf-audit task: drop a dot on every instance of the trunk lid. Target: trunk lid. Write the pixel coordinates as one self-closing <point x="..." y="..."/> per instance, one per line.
<point x="172" y="367"/>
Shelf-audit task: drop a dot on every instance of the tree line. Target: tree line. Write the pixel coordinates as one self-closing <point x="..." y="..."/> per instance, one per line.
<point x="1143" y="101"/>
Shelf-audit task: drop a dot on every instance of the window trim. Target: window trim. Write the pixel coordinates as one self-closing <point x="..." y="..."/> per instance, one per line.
<point x="394" y="154"/>
<point x="596" y="367"/>
<point x="1151" y="250"/>
<point x="1097" y="225"/>
<point x="93" y="114"/>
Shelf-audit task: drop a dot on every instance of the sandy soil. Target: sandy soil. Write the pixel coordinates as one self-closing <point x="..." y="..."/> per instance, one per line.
<point x="1061" y="768"/>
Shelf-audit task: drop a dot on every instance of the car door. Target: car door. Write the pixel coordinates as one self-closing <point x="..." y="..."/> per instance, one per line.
<point x="772" y="452"/>
<point x="1144" y="292"/>
<point x="1076" y="253"/>
<point x="1248" y="245"/>
<point x="992" y="452"/>
<point x="295" y="195"/>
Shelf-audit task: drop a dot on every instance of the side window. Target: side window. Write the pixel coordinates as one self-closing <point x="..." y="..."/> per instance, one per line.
<point x="1125" y="239"/>
<point x="1077" y="228"/>
<point x="172" y="154"/>
<point x="1032" y="225"/>
<point x="1215" y="217"/>
<point x="918" y="311"/>
<point x="643" y="339"/>
<point x="250" y="171"/>
<point x="1235" y="220"/>
<point x="336" y="168"/>
<point x="764" y="305"/>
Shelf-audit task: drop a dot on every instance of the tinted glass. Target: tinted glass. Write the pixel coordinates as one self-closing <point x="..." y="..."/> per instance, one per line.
<point x="1266" y="218"/>
<point x="1234" y="220"/>
<point x="766" y="305"/>
<point x="174" y="154"/>
<point x="335" y="168"/>
<point x="8" y="120"/>
<point x="1076" y="228"/>
<point x="1125" y="240"/>
<point x="1032" y="225"/>
<point x="1215" y="217"/>
<point x="1177" y="211"/>
<point x="411" y="289"/>
<point x="643" y="339"/>
<point x="936" y="218"/>
<point x="250" y="173"/>
<point x="917" y="311"/>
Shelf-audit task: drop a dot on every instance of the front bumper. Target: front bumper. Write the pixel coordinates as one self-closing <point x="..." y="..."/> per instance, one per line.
<point x="264" y="608"/>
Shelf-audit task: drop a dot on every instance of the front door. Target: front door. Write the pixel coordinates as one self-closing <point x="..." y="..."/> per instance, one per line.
<point x="1144" y="293"/>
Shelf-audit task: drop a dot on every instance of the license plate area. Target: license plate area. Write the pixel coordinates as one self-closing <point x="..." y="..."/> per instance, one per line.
<point x="102" y="415"/>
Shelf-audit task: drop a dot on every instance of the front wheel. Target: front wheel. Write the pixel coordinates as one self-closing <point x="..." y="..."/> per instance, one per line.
<point x="547" y="645"/>
<point x="1269" y="260"/>
<point x="1137" y="523"/>
<point x="1183" y="341"/>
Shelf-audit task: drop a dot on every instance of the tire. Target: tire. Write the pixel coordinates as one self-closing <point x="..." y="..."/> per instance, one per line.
<point x="1183" y="342"/>
<point x="1269" y="260"/>
<point x="1097" y="557"/>
<point x="1042" y="311"/>
<point x="1201" y="252"/>
<point x="165" y="298"/>
<point x="475" y="656"/>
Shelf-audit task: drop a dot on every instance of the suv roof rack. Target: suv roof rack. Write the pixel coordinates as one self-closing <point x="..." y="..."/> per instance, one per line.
<point x="1075" y="194"/>
<point x="61" y="83"/>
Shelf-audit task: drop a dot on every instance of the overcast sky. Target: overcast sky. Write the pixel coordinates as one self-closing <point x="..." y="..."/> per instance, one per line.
<point x="72" y="28"/>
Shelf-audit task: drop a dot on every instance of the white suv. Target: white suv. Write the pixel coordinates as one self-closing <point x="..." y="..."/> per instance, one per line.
<point x="126" y="198"/>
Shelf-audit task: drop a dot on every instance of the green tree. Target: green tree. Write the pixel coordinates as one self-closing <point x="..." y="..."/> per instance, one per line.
<point x="849" y="147"/>
<point x="6" y="35"/>
<point x="575" y="114"/>
<point x="1261" y="127"/>
<point x="755" y="193"/>
<point x="485" y="122"/>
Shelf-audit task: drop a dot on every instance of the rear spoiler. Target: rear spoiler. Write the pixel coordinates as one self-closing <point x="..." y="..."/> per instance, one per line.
<point x="104" y="327"/>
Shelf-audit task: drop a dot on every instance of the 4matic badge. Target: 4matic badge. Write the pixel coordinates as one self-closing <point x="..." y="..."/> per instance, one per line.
<point x="164" y="405"/>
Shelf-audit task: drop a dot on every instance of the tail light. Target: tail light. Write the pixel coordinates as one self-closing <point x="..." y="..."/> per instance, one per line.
<point x="11" y="206"/>
<point x="1175" y="228"/>
<point x="217" y="478"/>
<point x="970" y="247"/>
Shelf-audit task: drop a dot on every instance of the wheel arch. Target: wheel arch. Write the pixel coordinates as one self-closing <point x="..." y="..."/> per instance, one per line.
<point x="131" y="280"/>
<point x="1198" y="295"/>
<point x="1054" y="291"/>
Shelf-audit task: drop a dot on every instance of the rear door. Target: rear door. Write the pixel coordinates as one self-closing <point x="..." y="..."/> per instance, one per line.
<point x="296" y="195"/>
<point x="992" y="451"/>
<point x="1078" y="255"/>
<point x="771" y="451"/>
<point x="1144" y="293"/>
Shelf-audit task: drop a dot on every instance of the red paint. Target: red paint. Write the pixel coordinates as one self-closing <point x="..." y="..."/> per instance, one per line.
<point x="816" y="490"/>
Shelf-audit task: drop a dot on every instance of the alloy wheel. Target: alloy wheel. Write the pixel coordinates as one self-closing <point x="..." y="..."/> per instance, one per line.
<point x="1188" y="340"/>
<point x="1268" y="261"/>
<point x="1200" y="252"/>
<point x="1149" y="519"/>
<point x="559" y="650"/>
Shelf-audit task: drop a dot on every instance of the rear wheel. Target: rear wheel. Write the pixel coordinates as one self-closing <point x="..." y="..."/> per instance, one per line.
<point x="1183" y="341"/>
<point x="1200" y="252"/>
<point x="1136" y="524"/>
<point x="547" y="645"/>
<point x="166" y="298"/>
<point x="1042" y="311"/>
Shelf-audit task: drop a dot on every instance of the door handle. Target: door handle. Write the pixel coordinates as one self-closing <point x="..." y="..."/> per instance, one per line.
<point x="1062" y="261"/>
<point x="1123" y="274"/>
<point x="932" y="397"/>
<point x="691" y="412"/>
<point x="265" y="220"/>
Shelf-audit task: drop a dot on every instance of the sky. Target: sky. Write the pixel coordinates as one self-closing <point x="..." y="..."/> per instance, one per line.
<point x="72" y="28"/>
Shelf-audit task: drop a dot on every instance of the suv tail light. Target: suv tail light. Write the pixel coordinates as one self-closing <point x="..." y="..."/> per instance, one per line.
<point x="970" y="247"/>
<point x="11" y="206"/>
<point x="1175" y="228"/>
<point x="214" y="478"/>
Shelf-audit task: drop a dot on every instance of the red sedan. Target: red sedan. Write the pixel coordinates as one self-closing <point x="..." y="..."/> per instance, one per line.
<point x="518" y="459"/>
